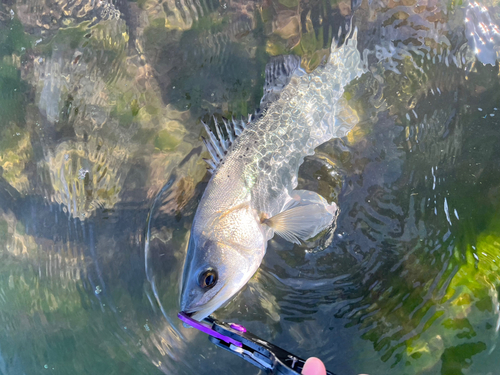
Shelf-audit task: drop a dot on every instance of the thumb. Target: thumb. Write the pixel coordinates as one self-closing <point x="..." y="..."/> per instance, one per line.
<point x="314" y="366"/>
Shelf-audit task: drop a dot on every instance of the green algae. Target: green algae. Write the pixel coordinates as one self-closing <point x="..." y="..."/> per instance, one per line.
<point x="165" y="141"/>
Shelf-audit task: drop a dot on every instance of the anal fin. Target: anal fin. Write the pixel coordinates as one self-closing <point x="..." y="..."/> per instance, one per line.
<point x="346" y="119"/>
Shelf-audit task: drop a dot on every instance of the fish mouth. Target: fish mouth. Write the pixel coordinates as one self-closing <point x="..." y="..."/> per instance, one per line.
<point x="193" y="315"/>
<point x="199" y="314"/>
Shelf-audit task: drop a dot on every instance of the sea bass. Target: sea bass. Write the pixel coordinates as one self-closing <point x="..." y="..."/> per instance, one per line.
<point x="251" y="195"/>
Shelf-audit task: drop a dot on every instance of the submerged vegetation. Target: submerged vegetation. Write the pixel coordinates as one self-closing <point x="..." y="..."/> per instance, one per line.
<point x="100" y="111"/>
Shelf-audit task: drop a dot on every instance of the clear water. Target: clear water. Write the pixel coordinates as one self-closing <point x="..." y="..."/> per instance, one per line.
<point x="100" y="155"/>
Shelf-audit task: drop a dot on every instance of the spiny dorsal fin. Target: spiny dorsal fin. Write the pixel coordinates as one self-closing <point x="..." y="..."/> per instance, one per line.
<point x="278" y="74"/>
<point x="216" y="143"/>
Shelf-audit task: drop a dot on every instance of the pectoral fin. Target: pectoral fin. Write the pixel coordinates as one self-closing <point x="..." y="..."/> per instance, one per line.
<point x="304" y="216"/>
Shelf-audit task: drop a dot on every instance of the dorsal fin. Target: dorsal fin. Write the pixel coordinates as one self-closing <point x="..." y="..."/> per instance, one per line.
<point x="279" y="71"/>
<point x="217" y="145"/>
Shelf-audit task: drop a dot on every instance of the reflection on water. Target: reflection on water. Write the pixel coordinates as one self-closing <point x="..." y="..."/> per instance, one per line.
<point x="101" y="170"/>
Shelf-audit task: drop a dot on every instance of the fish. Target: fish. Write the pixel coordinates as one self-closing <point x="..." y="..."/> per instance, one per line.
<point x="251" y="194"/>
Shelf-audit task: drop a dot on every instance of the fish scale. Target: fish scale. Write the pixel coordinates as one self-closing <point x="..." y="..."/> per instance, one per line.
<point x="251" y="193"/>
<point x="270" y="150"/>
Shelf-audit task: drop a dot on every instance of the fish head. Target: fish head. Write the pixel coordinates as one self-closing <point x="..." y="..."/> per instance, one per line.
<point x="224" y="252"/>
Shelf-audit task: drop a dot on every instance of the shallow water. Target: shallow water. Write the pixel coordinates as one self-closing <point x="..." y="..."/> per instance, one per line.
<point x="101" y="171"/>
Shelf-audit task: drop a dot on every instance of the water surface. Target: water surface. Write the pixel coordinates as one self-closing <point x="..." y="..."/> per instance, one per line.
<point x="101" y="171"/>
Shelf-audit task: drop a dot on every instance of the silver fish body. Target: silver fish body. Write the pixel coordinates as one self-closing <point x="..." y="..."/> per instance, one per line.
<point x="251" y="193"/>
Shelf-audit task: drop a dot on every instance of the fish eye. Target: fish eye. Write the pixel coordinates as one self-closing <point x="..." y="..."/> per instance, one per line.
<point x="208" y="279"/>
